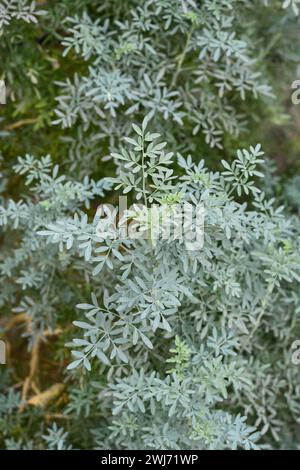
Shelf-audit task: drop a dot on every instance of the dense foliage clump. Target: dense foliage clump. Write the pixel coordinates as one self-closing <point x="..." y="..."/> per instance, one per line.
<point x="149" y="342"/>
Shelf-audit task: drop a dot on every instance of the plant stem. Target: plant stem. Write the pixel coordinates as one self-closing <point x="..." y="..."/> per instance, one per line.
<point x="182" y="57"/>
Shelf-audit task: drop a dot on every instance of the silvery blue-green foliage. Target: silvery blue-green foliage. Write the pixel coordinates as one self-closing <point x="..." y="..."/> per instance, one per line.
<point x="56" y="438"/>
<point x="185" y="62"/>
<point x="293" y="4"/>
<point x="32" y="266"/>
<point x="171" y="348"/>
<point x="234" y="321"/>
<point x="25" y="10"/>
